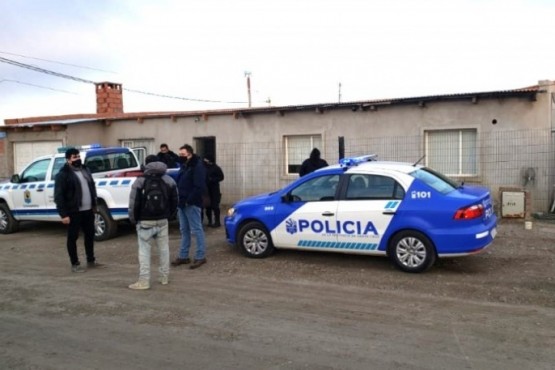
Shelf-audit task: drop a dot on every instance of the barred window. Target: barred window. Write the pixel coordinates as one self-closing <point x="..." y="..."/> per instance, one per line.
<point x="452" y="152"/>
<point x="297" y="149"/>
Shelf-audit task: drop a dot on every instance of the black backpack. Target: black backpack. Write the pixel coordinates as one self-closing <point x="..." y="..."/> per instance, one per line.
<point x="155" y="203"/>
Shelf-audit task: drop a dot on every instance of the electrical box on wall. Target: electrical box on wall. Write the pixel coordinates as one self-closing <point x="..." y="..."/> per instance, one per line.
<point x="513" y="204"/>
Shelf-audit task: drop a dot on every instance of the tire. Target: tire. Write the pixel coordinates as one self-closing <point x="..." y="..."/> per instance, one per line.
<point x="8" y="224"/>
<point x="412" y="251"/>
<point x="104" y="226"/>
<point x="255" y="241"/>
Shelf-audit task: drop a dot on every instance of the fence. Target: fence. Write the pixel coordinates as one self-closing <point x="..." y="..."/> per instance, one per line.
<point x="520" y="159"/>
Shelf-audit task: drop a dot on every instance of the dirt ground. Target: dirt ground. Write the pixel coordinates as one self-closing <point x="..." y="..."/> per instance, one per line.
<point x="294" y="310"/>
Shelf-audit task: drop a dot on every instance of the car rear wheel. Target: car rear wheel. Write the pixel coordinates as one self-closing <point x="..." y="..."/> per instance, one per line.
<point x="8" y="224"/>
<point x="104" y="226"/>
<point x="412" y="251"/>
<point x="255" y="241"/>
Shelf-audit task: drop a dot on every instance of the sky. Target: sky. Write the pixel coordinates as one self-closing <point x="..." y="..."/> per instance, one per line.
<point x="198" y="52"/>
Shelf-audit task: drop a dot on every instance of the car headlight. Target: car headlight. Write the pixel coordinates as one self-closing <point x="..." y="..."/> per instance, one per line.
<point x="231" y="212"/>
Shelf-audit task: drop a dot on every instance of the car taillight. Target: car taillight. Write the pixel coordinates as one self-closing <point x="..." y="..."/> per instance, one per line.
<point x="469" y="213"/>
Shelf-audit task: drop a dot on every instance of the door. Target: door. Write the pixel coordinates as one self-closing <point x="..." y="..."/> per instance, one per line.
<point x="309" y="217"/>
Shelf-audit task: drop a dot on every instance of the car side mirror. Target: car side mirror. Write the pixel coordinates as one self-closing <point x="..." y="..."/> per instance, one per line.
<point x="286" y="198"/>
<point x="15" y="179"/>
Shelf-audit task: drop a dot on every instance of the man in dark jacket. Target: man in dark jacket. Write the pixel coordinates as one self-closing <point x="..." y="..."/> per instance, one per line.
<point x="312" y="163"/>
<point x="214" y="175"/>
<point x="152" y="201"/>
<point x="191" y="184"/>
<point x="165" y="155"/>
<point x="75" y="198"/>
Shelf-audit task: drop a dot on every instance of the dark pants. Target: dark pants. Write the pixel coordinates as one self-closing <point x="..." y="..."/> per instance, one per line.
<point x="84" y="221"/>
<point x="214" y="208"/>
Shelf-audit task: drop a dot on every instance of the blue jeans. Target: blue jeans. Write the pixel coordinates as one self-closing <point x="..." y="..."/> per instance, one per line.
<point x="190" y="223"/>
<point x="158" y="231"/>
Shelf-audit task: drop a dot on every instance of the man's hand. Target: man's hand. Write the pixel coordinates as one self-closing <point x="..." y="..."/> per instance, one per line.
<point x="65" y="220"/>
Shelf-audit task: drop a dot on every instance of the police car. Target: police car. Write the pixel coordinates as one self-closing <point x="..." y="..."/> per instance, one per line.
<point x="29" y="195"/>
<point x="408" y="212"/>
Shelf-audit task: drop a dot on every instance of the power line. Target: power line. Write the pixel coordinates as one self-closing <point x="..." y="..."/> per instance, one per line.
<point x="57" y="62"/>
<point x="42" y="87"/>
<point x="78" y="79"/>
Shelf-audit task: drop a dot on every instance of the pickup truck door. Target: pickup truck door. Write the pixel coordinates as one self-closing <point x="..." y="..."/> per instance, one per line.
<point x="30" y="194"/>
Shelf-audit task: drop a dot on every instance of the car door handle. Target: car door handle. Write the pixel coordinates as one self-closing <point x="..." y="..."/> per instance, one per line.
<point x="39" y="190"/>
<point x="391" y="213"/>
<point x="328" y="214"/>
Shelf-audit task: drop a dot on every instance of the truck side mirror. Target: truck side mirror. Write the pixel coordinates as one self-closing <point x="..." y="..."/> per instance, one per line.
<point x="15" y="179"/>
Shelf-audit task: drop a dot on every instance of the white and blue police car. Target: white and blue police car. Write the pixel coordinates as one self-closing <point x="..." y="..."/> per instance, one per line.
<point x="408" y="212"/>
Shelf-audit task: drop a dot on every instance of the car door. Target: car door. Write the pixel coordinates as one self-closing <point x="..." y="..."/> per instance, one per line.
<point x="366" y="210"/>
<point x="309" y="215"/>
<point x="29" y="196"/>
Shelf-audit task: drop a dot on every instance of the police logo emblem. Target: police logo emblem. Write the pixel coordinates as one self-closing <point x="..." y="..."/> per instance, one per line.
<point x="27" y="196"/>
<point x="291" y="226"/>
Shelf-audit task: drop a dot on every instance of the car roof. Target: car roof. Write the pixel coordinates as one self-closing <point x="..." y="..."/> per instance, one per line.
<point x="373" y="166"/>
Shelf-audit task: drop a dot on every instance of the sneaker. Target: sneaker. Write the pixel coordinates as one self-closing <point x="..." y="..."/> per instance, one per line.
<point x="77" y="268"/>
<point x="180" y="261"/>
<point x="94" y="265"/>
<point x="140" y="285"/>
<point x="164" y="280"/>
<point x="197" y="263"/>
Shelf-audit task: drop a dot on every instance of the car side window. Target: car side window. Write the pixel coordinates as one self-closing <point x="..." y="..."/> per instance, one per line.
<point x="58" y="164"/>
<point x="320" y="188"/>
<point x="373" y="187"/>
<point x="36" y="171"/>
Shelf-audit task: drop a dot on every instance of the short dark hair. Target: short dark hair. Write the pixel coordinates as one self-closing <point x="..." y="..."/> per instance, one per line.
<point x="70" y="152"/>
<point x="163" y="145"/>
<point x="151" y="158"/>
<point x="188" y="148"/>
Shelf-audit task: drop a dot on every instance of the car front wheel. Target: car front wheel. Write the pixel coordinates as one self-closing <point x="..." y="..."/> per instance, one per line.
<point x="255" y="241"/>
<point x="412" y="251"/>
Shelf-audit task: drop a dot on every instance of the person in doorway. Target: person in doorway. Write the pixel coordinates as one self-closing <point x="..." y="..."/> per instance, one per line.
<point x="312" y="163"/>
<point x="153" y="199"/>
<point x="214" y="175"/>
<point x="165" y="155"/>
<point x="75" y="198"/>
<point x="191" y="184"/>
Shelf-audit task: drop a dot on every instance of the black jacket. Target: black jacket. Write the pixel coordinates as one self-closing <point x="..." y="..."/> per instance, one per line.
<point x="170" y="159"/>
<point x="191" y="182"/>
<point x="214" y="175"/>
<point x="67" y="191"/>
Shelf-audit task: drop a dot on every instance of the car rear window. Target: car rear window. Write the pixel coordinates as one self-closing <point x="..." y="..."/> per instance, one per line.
<point x="436" y="180"/>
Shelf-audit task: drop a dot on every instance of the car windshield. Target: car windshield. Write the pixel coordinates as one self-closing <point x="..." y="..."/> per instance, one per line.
<point x="436" y="180"/>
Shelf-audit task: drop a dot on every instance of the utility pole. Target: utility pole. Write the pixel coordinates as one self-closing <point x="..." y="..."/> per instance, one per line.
<point x="248" y="76"/>
<point x="339" y="97"/>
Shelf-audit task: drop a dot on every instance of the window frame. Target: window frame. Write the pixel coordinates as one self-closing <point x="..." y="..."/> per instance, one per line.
<point x="460" y="161"/>
<point x="313" y="138"/>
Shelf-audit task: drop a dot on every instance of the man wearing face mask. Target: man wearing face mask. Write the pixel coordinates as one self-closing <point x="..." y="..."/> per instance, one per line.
<point x="75" y="198"/>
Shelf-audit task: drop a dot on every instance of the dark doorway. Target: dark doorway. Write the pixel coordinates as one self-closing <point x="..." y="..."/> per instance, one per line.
<point x="205" y="145"/>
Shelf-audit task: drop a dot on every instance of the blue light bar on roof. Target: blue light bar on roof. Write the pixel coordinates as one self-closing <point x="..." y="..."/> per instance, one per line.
<point x="62" y="149"/>
<point x="353" y="161"/>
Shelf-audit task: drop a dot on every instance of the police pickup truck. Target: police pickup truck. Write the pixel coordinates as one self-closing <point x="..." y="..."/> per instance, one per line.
<point x="29" y="195"/>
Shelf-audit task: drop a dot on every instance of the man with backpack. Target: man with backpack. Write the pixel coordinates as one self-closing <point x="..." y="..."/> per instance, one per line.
<point x="153" y="200"/>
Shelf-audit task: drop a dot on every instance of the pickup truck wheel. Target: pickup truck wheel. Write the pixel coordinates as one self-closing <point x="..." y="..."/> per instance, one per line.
<point x="104" y="226"/>
<point x="8" y="224"/>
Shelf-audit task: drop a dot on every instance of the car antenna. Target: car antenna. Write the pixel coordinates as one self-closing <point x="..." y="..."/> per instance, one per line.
<point x="418" y="161"/>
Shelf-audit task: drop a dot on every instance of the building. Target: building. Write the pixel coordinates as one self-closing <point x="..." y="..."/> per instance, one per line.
<point x="501" y="139"/>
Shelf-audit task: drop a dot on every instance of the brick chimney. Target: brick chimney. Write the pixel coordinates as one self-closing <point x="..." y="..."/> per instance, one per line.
<point x="109" y="98"/>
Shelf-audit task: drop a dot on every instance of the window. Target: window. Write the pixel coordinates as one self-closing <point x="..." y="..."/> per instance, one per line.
<point x="36" y="171"/>
<point x="370" y="187"/>
<point x="141" y="147"/>
<point x="58" y="164"/>
<point x="318" y="189"/>
<point x="452" y="152"/>
<point x="297" y="149"/>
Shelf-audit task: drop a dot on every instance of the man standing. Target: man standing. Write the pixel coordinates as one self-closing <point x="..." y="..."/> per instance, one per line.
<point x="312" y="163"/>
<point x="152" y="201"/>
<point x="75" y="198"/>
<point x="214" y="175"/>
<point x="165" y="155"/>
<point x="191" y="183"/>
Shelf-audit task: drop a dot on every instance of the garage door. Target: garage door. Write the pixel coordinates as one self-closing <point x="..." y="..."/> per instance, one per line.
<point x="24" y="153"/>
